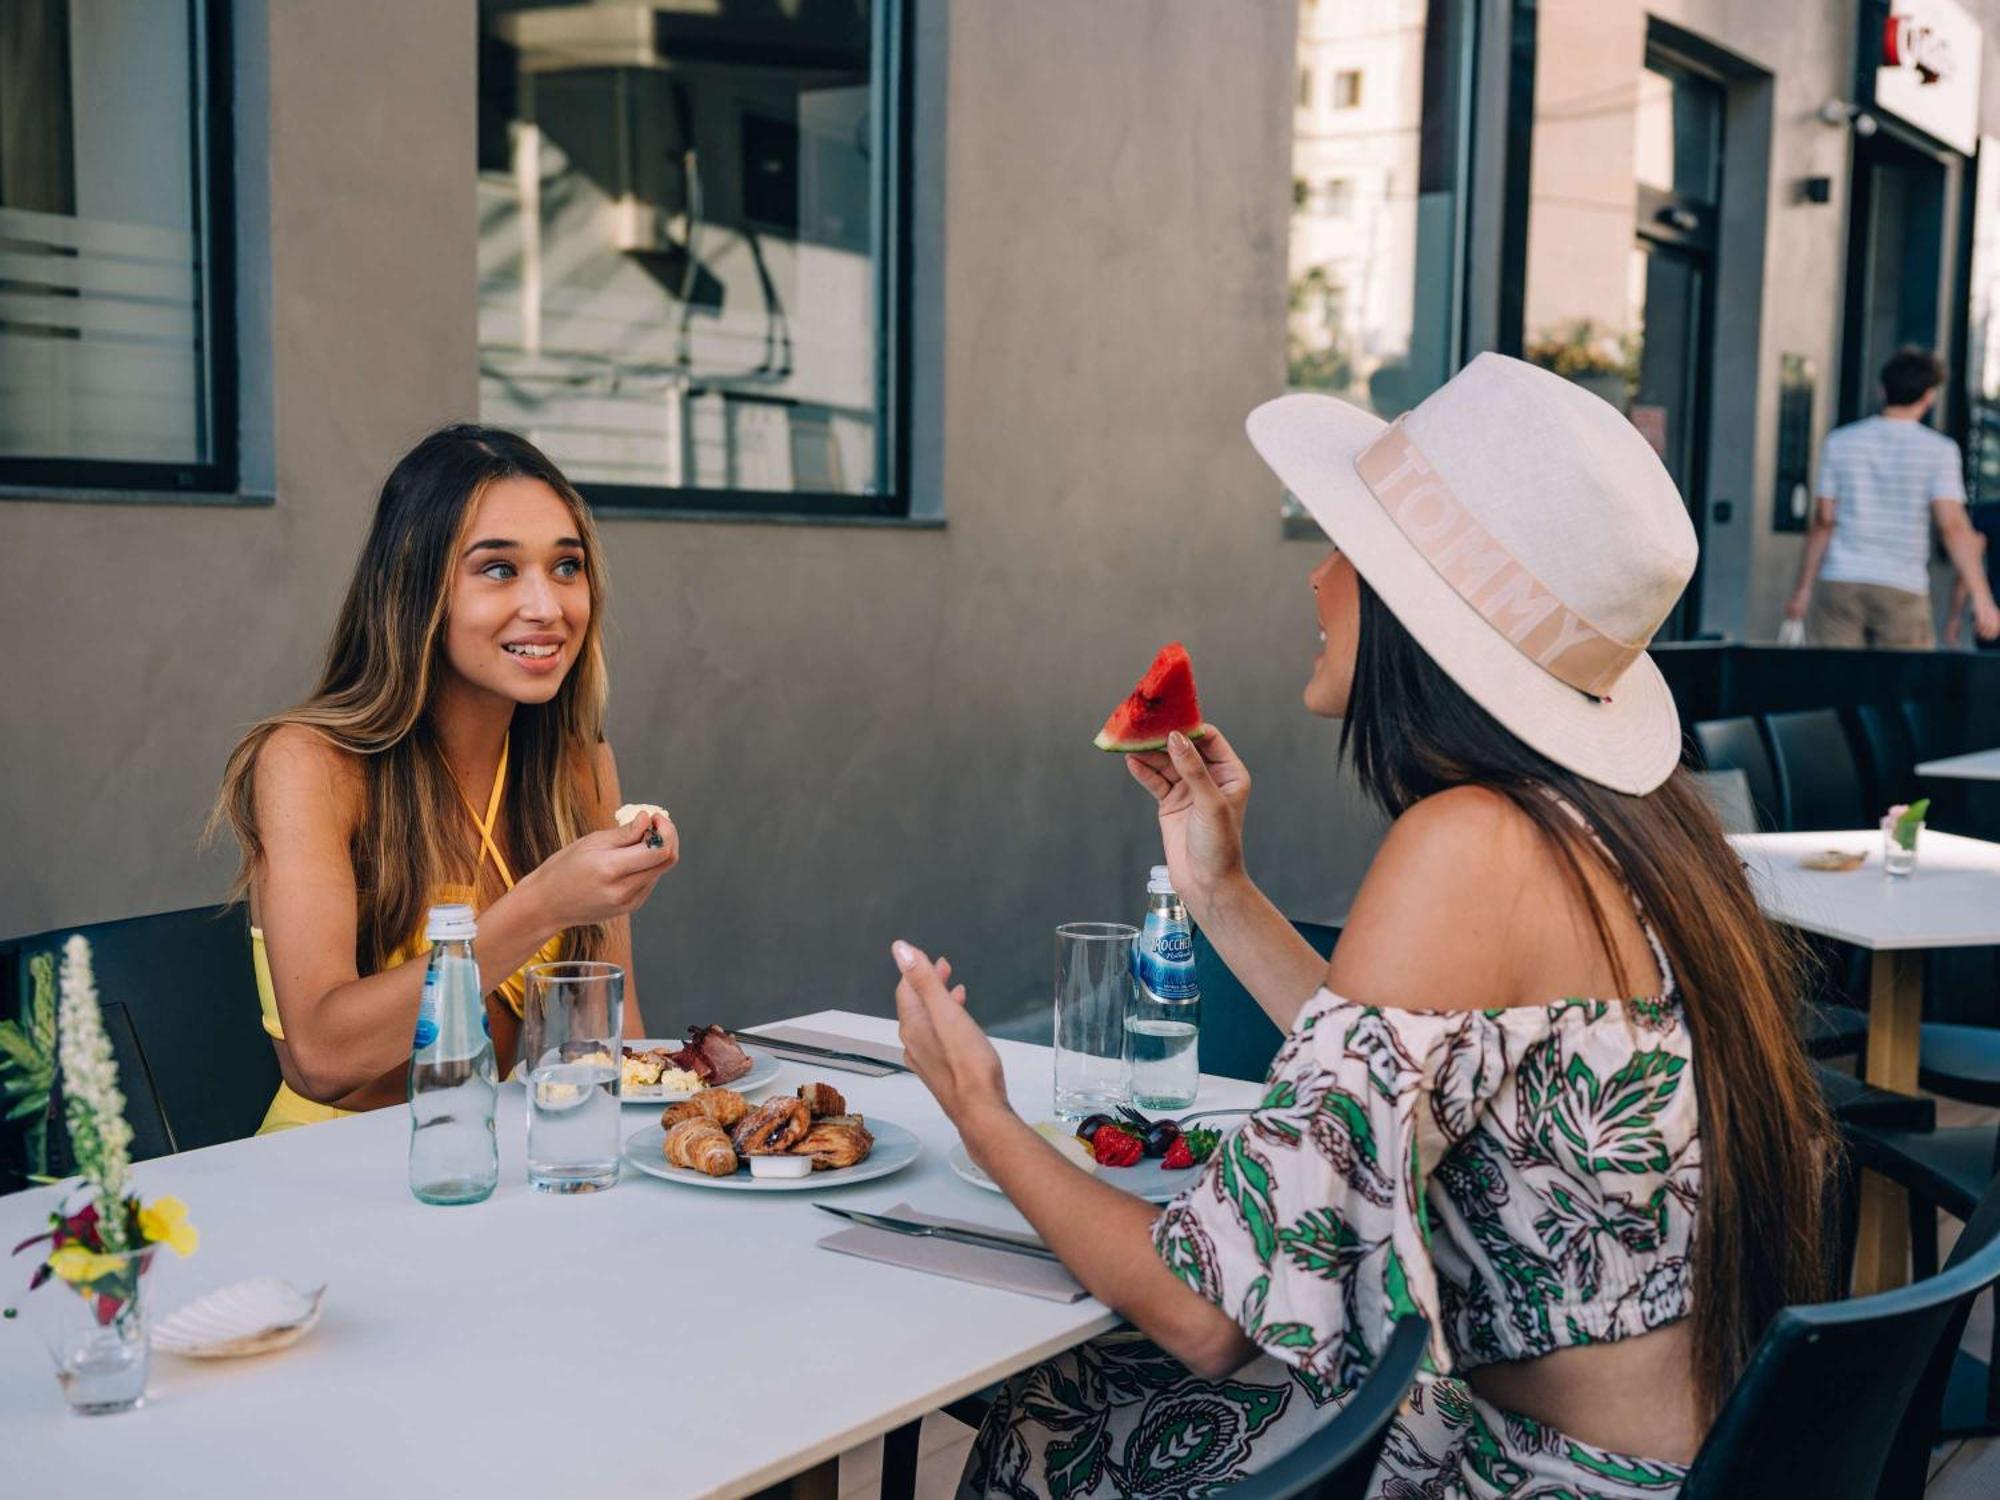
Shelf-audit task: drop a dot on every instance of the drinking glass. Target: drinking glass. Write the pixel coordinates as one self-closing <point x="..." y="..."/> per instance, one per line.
<point x="570" y="1043"/>
<point x="96" y="1333"/>
<point x="1900" y="858"/>
<point x="1093" y="991"/>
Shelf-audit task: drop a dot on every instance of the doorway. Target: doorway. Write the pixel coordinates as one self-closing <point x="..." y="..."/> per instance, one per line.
<point x="1898" y="259"/>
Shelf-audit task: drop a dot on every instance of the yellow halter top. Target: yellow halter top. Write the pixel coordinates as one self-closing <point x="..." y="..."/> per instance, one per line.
<point x="290" y="1108"/>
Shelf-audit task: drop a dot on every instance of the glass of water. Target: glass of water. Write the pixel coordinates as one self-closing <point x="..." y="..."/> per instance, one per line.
<point x="1093" y="993"/>
<point x="570" y="1044"/>
<point x="1899" y="845"/>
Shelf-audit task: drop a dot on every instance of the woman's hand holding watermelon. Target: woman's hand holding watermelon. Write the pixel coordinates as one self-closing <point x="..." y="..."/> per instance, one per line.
<point x="1201" y="788"/>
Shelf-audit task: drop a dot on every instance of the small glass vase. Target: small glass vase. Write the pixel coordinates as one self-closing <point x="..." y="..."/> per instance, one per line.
<point x="96" y="1333"/>
<point x="1899" y="853"/>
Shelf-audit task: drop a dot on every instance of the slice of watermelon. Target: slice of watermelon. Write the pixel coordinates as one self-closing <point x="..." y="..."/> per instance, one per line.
<point x="1163" y="701"/>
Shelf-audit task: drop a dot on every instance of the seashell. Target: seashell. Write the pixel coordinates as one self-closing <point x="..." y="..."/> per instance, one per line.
<point x="246" y="1317"/>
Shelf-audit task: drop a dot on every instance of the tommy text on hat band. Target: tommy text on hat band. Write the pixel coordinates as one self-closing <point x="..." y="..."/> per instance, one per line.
<point x="1483" y="573"/>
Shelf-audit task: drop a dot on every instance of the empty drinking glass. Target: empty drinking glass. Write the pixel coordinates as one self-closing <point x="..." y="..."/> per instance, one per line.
<point x="570" y="1048"/>
<point x="1093" y="990"/>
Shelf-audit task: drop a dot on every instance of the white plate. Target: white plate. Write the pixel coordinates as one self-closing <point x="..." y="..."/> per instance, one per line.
<point x="895" y="1149"/>
<point x="763" y="1068"/>
<point x="1148" y="1179"/>
<point x="247" y="1317"/>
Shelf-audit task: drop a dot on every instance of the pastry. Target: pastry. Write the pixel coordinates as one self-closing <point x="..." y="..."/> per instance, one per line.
<point x="631" y="812"/>
<point x="1834" y="859"/>
<point x="723" y="1106"/>
<point x="822" y="1099"/>
<point x="773" y="1127"/>
<point x="835" y="1142"/>
<point x="701" y="1145"/>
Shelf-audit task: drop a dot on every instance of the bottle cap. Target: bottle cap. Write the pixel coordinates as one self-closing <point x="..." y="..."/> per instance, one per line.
<point x="1160" y="882"/>
<point x="451" y="923"/>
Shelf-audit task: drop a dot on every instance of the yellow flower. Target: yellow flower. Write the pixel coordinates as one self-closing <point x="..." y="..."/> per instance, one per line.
<point x="164" y="1221"/>
<point x="76" y="1264"/>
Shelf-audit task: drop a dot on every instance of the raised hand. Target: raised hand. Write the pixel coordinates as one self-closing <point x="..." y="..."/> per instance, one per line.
<point x="941" y="1043"/>
<point x="605" y="874"/>
<point x="1201" y="787"/>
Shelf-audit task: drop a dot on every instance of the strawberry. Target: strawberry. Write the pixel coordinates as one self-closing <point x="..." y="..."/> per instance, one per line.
<point x="1116" y="1148"/>
<point x="1178" y="1155"/>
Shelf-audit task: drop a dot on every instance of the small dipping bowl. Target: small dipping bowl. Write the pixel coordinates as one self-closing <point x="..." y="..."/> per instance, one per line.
<point x="781" y="1166"/>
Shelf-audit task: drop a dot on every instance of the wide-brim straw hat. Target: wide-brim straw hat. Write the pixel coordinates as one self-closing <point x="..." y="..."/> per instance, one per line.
<point x="1526" y="535"/>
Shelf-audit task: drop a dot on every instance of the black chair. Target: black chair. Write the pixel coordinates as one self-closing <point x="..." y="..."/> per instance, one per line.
<point x="1888" y="754"/>
<point x="1952" y="1170"/>
<point x="1816" y="770"/>
<point x="1338" y="1460"/>
<point x="1837" y="1399"/>
<point x="1738" y="745"/>
<point x="1237" y="1039"/>
<point x="1932" y="733"/>
<point x="179" y="996"/>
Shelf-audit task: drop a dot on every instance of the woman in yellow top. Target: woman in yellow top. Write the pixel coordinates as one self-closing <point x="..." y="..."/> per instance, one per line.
<point x="454" y="742"/>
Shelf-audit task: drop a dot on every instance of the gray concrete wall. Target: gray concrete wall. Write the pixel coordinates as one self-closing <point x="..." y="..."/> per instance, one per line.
<point x="862" y="732"/>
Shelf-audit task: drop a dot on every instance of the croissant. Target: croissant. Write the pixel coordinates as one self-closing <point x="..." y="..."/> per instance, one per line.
<point x="822" y="1099"/>
<point x="772" y="1127"/>
<point x="701" y="1146"/>
<point x="724" y="1106"/>
<point x="835" y="1143"/>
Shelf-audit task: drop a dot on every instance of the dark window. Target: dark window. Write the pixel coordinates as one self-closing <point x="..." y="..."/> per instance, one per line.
<point x="116" y="337"/>
<point x="1347" y="89"/>
<point x="690" y="252"/>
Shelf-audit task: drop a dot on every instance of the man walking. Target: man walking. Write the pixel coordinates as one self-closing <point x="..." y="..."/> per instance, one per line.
<point x="1882" y="481"/>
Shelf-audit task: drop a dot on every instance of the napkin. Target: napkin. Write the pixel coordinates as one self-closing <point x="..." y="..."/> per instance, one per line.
<point x="887" y="1051"/>
<point x="1028" y="1274"/>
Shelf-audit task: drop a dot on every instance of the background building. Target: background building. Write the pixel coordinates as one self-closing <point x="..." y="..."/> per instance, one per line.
<point x="904" y="348"/>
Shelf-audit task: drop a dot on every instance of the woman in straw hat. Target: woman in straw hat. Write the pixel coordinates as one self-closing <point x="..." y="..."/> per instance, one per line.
<point x="1596" y="1203"/>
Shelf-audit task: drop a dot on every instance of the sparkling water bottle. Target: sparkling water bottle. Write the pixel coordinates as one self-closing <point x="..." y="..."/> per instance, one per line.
<point x="1164" y="1022"/>
<point x="454" y="1157"/>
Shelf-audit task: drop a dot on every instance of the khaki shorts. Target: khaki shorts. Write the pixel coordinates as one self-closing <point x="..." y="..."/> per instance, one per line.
<point x="1870" y="614"/>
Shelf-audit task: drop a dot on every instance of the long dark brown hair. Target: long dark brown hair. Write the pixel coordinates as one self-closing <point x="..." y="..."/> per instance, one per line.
<point x="1765" y="1136"/>
<point x="375" y="691"/>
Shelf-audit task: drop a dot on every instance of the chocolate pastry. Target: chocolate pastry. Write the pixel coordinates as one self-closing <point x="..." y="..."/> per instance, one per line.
<point x="772" y="1128"/>
<point x="822" y="1099"/>
<point x="835" y="1143"/>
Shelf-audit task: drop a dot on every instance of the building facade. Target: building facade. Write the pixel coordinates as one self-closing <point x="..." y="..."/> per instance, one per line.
<point x="903" y="347"/>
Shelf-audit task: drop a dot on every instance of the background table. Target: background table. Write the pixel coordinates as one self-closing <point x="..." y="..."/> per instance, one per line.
<point x="1979" y="765"/>
<point x="1952" y="900"/>
<point x="654" y="1339"/>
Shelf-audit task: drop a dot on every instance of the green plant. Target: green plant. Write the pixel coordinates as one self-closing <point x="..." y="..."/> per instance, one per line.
<point x="28" y="1063"/>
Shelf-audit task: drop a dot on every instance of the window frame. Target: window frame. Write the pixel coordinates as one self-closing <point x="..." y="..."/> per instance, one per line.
<point x="212" y="131"/>
<point x="892" y="91"/>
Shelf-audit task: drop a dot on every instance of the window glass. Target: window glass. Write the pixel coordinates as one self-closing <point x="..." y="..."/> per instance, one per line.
<point x="682" y="267"/>
<point x="1677" y="133"/>
<point x="107" y="353"/>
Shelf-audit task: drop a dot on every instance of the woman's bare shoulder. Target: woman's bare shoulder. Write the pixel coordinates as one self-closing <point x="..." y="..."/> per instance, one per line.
<point x="300" y="772"/>
<point x="1431" y="924"/>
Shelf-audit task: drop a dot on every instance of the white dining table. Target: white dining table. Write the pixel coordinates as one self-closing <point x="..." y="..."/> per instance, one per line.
<point x="1977" y="765"/>
<point x="1951" y="900"/>
<point x="657" y="1339"/>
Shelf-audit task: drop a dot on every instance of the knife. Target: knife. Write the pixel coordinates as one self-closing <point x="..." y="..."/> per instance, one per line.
<point x="807" y="1049"/>
<point x="997" y="1239"/>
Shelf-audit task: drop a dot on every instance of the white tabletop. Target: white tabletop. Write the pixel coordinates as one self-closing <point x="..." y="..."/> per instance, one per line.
<point x="1979" y="765"/>
<point x="1952" y="900"/>
<point x="655" y="1339"/>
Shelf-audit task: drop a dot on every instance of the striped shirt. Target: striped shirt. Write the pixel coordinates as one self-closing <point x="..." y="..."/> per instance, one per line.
<point x="1882" y="473"/>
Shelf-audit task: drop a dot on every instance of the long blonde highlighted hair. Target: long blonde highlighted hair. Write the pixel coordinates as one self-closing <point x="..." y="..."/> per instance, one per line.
<point x="382" y="667"/>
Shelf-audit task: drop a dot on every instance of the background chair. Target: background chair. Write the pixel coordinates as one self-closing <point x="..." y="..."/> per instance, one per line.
<point x="1817" y="774"/>
<point x="1237" y="1038"/>
<point x="1738" y="745"/>
<point x="180" y="1005"/>
<point x="1888" y="754"/>
<point x="1727" y="792"/>
<point x="1837" y="1396"/>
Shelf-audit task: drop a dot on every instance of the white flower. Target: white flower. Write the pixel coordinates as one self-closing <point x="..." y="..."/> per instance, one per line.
<point x="94" y="1105"/>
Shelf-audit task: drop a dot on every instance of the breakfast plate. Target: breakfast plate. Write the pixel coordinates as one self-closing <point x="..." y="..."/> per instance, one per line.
<point x="895" y="1148"/>
<point x="764" y="1068"/>
<point x="1144" y="1179"/>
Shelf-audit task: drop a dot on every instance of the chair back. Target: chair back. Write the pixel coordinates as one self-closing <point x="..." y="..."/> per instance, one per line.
<point x="1738" y="745"/>
<point x="1888" y="754"/>
<point x="1727" y="794"/>
<point x="1816" y="770"/>
<point x="179" y="996"/>
<point x="1237" y="1039"/>
<point x="1933" y="733"/>
<point x="1822" y="1406"/>
<point x="1338" y="1460"/>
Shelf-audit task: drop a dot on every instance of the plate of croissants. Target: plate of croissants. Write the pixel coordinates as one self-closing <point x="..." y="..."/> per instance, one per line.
<point x="807" y="1140"/>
